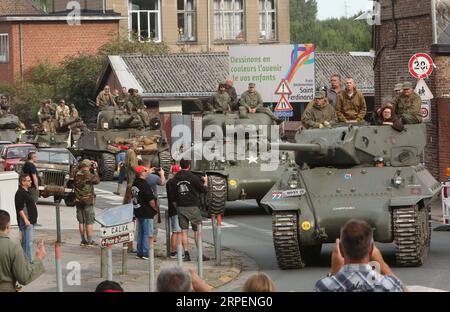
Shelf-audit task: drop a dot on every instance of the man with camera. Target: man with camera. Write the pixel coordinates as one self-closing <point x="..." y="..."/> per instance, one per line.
<point x="84" y="182"/>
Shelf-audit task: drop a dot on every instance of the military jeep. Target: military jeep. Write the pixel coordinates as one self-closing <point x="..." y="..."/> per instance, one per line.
<point x="56" y="169"/>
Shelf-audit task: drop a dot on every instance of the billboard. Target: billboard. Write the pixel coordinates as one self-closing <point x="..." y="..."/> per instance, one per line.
<point x="290" y="66"/>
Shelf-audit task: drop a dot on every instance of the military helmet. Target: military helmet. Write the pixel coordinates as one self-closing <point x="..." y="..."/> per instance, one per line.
<point x="85" y="163"/>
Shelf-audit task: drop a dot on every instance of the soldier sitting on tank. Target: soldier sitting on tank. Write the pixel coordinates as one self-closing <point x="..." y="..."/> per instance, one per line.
<point x="220" y="101"/>
<point x="45" y="111"/>
<point x="48" y="126"/>
<point x="350" y="104"/>
<point x="388" y="117"/>
<point x="251" y="100"/>
<point x="105" y="99"/>
<point x="62" y="113"/>
<point x="4" y="105"/>
<point x="407" y="105"/>
<point x="136" y="104"/>
<point x="319" y="113"/>
<point x="122" y="98"/>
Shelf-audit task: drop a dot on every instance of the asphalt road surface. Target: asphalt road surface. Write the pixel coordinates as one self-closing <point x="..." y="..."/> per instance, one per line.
<point x="248" y="229"/>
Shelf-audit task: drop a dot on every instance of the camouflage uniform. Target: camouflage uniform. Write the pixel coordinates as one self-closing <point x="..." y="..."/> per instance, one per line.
<point x="136" y="104"/>
<point x="4" y="106"/>
<point x="105" y="100"/>
<point x="254" y="100"/>
<point x="62" y="113"/>
<point x="351" y="108"/>
<point x="408" y="108"/>
<point x="44" y="112"/>
<point x="122" y="100"/>
<point x="315" y="115"/>
<point x="220" y="102"/>
<point x="74" y="113"/>
<point x="84" y="182"/>
<point x="49" y="126"/>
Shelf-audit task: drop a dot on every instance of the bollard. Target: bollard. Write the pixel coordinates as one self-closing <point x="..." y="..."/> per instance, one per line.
<point x="151" y="263"/>
<point x="124" y="258"/>
<point x="167" y="218"/>
<point x="218" y="240"/>
<point x="214" y="229"/>
<point x="59" y="280"/>
<point x="110" y="275"/>
<point x="179" y="249"/>
<point x="200" y="250"/>
<point x="103" y="262"/>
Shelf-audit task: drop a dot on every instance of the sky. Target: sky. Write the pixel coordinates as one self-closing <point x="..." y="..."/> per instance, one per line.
<point x="336" y="8"/>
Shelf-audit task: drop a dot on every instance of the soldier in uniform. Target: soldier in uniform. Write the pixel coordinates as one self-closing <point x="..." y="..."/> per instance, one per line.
<point x="62" y="113"/>
<point x="45" y="111"/>
<point x="232" y="93"/>
<point x="84" y="182"/>
<point x="131" y="162"/>
<point x="335" y="89"/>
<point x="74" y="112"/>
<point x="137" y="105"/>
<point x="49" y="125"/>
<point x="320" y="113"/>
<point x="122" y="99"/>
<point x="105" y="99"/>
<point x="407" y="105"/>
<point x="350" y="104"/>
<point x="252" y="101"/>
<point x="4" y="105"/>
<point x="220" y="101"/>
<point x="14" y="267"/>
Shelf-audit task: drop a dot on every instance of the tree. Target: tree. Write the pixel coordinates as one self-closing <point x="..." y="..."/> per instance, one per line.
<point x="303" y="21"/>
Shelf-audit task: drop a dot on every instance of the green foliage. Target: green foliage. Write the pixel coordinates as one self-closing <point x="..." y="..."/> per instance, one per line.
<point x="73" y="80"/>
<point x="335" y="35"/>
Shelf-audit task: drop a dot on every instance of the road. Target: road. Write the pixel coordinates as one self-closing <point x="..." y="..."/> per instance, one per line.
<point x="249" y="230"/>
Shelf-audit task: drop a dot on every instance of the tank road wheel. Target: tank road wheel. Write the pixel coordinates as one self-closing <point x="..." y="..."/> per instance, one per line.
<point x="217" y="194"/>
<point x="107" y="166"/>
<point x="411" y="226"/>
<point x="165" y="162"/>
<point x="286" y="240"/>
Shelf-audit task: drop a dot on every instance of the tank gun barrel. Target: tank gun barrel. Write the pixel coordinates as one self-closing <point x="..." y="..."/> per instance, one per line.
<point x="319" y="146"/>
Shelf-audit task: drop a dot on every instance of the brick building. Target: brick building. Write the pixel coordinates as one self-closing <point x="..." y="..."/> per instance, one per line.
<point x="205" y="25"/>
<point x="408" y="27"/>
<point x="29" y="34"/>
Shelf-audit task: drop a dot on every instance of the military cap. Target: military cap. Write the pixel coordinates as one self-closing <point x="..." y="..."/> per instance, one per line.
<point x="319" y="95"/>
<point x="251" y="84"/>
<point x="398" y="86"/>
<point x="72" y="105"/>
<point x="407" y="85"/>
<point x="85" y="163"/>
<point x="222" y="83"/>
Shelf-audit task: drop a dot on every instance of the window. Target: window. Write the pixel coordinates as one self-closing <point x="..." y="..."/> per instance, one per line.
<point x="442" y="12"/>
<point x="186" y="20"/>
<point x="4" y="48"/>
<point x="267" y="20"/>
<point x="229" y="19"/>
<point x="145" y="17"/>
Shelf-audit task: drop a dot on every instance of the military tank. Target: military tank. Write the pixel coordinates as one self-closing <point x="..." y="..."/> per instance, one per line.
<point x="115" y="130"/>
<point x="335" y="179"/>
<point x="230" y="177"/>
<point x="9" y="125"/>
<point x="64" y="137"/>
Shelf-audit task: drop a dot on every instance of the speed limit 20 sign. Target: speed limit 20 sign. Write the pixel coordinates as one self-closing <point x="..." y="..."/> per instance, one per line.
<point x="420" y="65"/>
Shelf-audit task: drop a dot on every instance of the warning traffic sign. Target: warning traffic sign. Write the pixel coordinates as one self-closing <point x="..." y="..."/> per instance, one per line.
<point x="420" y="65"/>
<point x="283" y="88"/>
<point x="423" y="91"/>
<point x="283" y="105"/>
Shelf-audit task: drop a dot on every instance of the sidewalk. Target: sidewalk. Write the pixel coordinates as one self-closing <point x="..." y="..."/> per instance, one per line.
<point x="88" y="259"/>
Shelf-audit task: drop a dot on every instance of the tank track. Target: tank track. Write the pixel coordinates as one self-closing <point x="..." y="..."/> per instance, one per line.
<point x="165" y="162"/>
<point x="107" y="166"/>
<point x="286" y="240"/>
<point x="412" y="234"/>
<point x="217" y="194"/>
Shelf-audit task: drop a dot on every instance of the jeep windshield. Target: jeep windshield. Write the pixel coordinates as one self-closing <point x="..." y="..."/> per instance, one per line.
<point x="55" y="157"/>
<point x="18" y="151"/>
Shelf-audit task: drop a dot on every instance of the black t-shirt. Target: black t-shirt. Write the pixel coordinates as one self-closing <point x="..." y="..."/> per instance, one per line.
<point x="185" y="188"/>
<point x="24" y="201"/>
<point x="29" y="168"/>
<point x="142" y="194"/>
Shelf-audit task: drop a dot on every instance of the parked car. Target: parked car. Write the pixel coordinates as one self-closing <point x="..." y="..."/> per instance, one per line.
<point x="56" y="169"/>
<point x="11" y="154"/>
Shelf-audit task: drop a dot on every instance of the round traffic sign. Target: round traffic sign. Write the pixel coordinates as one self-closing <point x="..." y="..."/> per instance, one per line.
<point x="424" y="112"/>
<point x="420" y="65"/>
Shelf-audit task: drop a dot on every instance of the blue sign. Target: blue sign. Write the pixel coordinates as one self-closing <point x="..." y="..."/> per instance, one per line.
<point x="283" y="113"/>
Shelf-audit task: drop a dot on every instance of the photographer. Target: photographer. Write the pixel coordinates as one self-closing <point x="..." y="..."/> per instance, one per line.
<point x="84" y="182"/>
